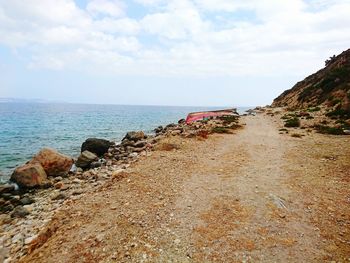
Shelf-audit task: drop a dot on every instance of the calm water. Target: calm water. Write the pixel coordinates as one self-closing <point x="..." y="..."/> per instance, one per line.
<point x="25" y="128"/>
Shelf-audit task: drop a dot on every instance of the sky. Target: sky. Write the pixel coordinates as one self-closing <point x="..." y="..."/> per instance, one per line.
<point x="173" y="52"/>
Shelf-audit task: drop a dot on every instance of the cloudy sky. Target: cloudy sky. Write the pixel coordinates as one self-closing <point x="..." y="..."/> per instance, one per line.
<point x="166" y="52"/>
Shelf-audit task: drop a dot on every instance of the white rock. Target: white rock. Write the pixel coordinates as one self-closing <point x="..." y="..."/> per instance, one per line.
<point x="77" y="181"/>
<point x="17" y="238"/>
<point x="29" y="240"/>
<point x="30" y="208"/>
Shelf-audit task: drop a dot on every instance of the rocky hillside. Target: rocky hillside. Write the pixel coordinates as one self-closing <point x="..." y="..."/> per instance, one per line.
<point x="329" y="87"/>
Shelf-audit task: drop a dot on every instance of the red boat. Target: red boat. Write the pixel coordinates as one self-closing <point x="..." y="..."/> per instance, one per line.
<point x="197" y="116"/>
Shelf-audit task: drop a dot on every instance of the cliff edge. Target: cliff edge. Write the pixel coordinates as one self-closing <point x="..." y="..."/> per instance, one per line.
<point x="329" y="87"/>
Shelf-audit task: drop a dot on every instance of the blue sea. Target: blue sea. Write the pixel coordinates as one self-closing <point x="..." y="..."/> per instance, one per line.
<point x="25" y="128"/>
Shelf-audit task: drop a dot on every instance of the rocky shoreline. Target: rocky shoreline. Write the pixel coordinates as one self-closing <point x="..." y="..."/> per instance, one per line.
<point x="50" y="180"/>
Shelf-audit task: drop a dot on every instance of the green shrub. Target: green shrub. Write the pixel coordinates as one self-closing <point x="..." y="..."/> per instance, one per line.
<point x="329" y="82"/>
<point x="221" y="130"/>
<point x="339" y="112"/>
<point x="313" y="109"/>
<point x="229" y="119"/>
<point x="329" y="130"/>
<point x="233" y="126"/>
<point x="294" y="122"/>
<point x="344" y="125"/>
<point x="306" y="93"/>
<point x="288" y="116"/>
<point x="333" y="79"/>
<point x="335" y="102"/>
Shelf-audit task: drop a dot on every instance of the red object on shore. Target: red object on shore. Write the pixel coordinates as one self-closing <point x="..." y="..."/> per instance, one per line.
<point x="196" y="116"/>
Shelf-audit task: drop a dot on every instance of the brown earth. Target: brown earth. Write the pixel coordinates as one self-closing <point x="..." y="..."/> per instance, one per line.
<point x="255" y="195"/>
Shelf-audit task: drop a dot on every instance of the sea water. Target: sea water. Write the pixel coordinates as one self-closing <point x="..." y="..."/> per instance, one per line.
<point x="25" y="128"/>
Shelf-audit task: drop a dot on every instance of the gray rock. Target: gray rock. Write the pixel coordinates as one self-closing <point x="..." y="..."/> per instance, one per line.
<point x="175" y="132"/>
<point x="128" y="142"/>
<point x="96" y="146"/>
<point x="6" y="188"/>
<point x="57" y="179"/>
<point x="158" y="129"/>
<point x="78" y="192"/>
<point x="96" y="164"/>
<point x="20" y="212"/>
<point x="138" y="150"/>
<point x="29" y="240"/>
<point x="135" y="136"/>
<point x="85" y="159"/>
<point x="17" y="238"/>
<point x="59" y="196"/>
<point x="7" y="207"/>
<point x="133" y="155"/>
<point x="26" y="200"/>
<point x="171" y="125"/>
<point x="140" y="144"/>
<point x="7" y="196"/>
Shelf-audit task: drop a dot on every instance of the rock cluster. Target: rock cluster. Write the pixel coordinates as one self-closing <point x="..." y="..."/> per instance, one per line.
<point x="96" y="146"/>
<point x="85" y="159"/>
<point x="47" y="162"/>
<point x="48" y="180"/>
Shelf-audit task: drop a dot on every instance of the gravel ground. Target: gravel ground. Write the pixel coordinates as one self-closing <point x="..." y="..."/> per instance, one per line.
<point x="255" y="195"/>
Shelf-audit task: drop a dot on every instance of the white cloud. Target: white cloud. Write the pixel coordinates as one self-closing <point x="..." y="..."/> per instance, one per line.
<point x="177" y="37"/>
<point x="150" y="2"/>
<point x="108" y="7"/>
<point x="180" y="20"/>
<point x="223" y="5"/>
<point x="48" y="62"/>
<point x="123" y="25"/>
<point x="44" y="12"/>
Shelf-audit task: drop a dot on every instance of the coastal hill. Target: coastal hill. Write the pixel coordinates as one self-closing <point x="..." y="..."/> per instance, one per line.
<point x="329" y="87"/>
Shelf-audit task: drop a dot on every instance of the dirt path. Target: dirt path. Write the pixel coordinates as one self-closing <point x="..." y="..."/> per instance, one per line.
<point x="253" y="196"/>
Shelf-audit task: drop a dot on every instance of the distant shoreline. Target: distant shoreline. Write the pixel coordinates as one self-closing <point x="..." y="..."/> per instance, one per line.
<point x="109" y="125"/>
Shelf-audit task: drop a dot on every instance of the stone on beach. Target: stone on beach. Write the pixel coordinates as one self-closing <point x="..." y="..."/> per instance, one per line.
<point x="96" y="146"/>
<point x="96" y="164"/>
<point x="19" y="212"/>
<point x="29" y="175"/>
<point x="85" y="159"/>
<point x="135" y="136"/>
<point x="159" y="129"/>
<point x="53" y="162"/>
<point x="26" y="200"/>
<point x="6" y="188"/>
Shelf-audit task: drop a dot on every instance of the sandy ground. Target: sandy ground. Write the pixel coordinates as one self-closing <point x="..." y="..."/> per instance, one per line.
<point x="253" y="196"/>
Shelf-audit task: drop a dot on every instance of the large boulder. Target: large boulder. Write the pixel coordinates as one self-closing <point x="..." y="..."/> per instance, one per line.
<point x="85" y="159"/>
<point x="96" y="146"/>
<point x="29" y="175"/>
<point x="53" y="162"/>
<point x="135" y="136"/>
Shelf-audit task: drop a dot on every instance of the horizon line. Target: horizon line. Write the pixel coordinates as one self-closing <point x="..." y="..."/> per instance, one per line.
<point x="47" y="101"/>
